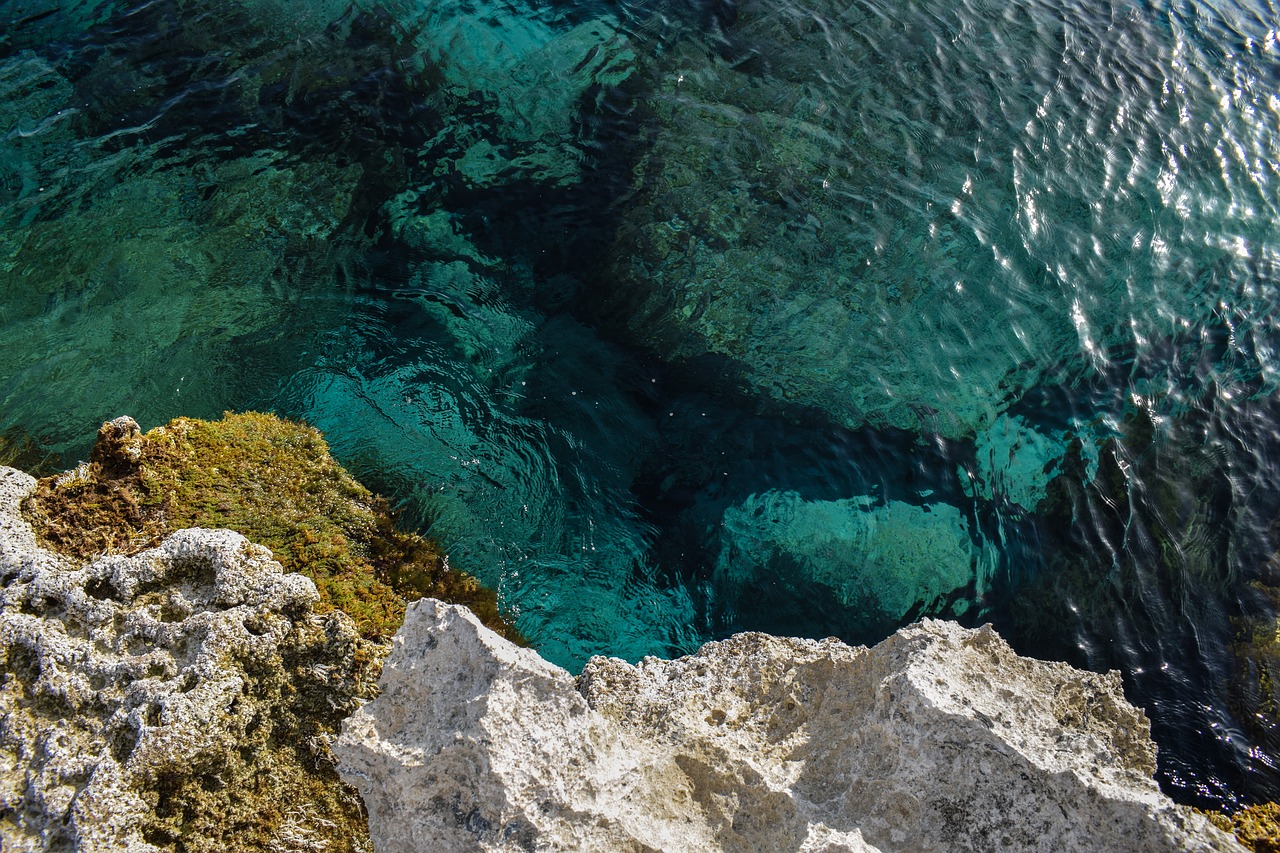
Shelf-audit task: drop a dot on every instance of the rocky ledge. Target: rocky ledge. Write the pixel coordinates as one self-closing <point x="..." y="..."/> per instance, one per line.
<point x="168" y="685"/>
<point x="179" y="699"/>
<point x="939" y="738"/>
<point x="184" y="693"/>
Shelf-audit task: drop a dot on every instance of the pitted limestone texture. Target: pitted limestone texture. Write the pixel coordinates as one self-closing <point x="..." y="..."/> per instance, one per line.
<point x="940" y="738"/>
<point x="182" y="698"/>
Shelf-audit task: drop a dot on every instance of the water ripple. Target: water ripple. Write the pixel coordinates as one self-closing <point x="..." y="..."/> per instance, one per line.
<point x="672" y="320"/>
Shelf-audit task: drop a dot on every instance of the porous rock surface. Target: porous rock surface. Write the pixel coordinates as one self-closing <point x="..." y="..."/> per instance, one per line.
<point x="939" y="738"/>
<point x="163" y="701"/>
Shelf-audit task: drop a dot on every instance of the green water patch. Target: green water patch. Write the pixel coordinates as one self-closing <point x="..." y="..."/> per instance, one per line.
<point x="910" y="219"/>
<point x="516" y="453"/>
<point x="146" y="299"/>
<point x="879" y="564"/>
<point x="153" y="261"/>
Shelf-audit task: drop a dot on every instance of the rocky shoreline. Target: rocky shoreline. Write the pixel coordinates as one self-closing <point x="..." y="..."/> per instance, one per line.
<point x="939" y="738"/>
<point x="182" y="698"/>
<point x="192" y="695"/>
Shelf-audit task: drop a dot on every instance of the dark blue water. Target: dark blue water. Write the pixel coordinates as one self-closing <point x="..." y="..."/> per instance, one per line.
<point x="676" y="320"/>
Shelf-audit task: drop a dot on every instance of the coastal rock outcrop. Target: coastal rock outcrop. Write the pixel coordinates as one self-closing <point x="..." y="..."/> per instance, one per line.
<point x="169" y="684"/>
<point x="272" y="480"/>
<point x="180" y="698"/>
<point x="939" y="738"/>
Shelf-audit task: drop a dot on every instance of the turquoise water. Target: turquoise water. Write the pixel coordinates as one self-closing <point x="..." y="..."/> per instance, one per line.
<point x="675" y="320"/>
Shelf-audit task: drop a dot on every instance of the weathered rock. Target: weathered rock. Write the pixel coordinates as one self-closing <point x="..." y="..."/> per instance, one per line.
<point x="187" y="692"/>
<point x="939" y="738"/>
<point x="273" y="481"/>
<point x="118" y="449"/>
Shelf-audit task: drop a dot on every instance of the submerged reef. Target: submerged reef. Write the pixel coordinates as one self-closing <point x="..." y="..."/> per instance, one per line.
<point x="1144" y="564"/>
<point x="824" y="209"/>
<point x="880" y="563"/>
<point x="207" y="256"/>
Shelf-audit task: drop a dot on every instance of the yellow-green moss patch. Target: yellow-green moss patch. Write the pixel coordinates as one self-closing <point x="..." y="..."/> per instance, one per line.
<point x="273" y="481"/>
<point x="1257" y="827"/>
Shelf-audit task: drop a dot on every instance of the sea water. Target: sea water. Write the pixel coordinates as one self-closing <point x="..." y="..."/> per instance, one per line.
<point x="673" y="320"/>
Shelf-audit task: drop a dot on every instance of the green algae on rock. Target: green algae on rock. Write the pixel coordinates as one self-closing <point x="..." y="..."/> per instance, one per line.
<point x="235" y="677"/>
<point x="269" y="479"/>
<point x="182" y="699"/>
<point x="1257" y="827"/>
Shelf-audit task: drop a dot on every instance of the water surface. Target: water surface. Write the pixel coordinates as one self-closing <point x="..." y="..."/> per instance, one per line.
<point x="676" y="320"/>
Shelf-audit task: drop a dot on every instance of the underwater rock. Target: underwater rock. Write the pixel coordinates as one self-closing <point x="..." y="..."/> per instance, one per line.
<point x="140" y="295"/>
<point x="1255" y="677"/>
<point x="939" y="738"/>
<point x="531" y="70"/>
<point x="841" y="206"/>
<point x="881" y="562"/>
<point x="182" y="698"/>
<point x="1015" y="462"/>
<point x="34" y="120"/>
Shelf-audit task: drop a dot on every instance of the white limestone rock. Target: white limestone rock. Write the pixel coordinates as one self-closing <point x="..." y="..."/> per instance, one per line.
<point x="939" y="738"/>
<point x="139" y="694"/>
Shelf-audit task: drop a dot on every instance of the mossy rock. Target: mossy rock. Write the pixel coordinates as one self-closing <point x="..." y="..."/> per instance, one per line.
<point x="279" y="789"/>
<point x="1257" y="827"/>
<point x="269" y="479"/>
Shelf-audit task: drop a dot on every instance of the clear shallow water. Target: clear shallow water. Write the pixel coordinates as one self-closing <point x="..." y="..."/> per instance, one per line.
<point x="672" y="321"/>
